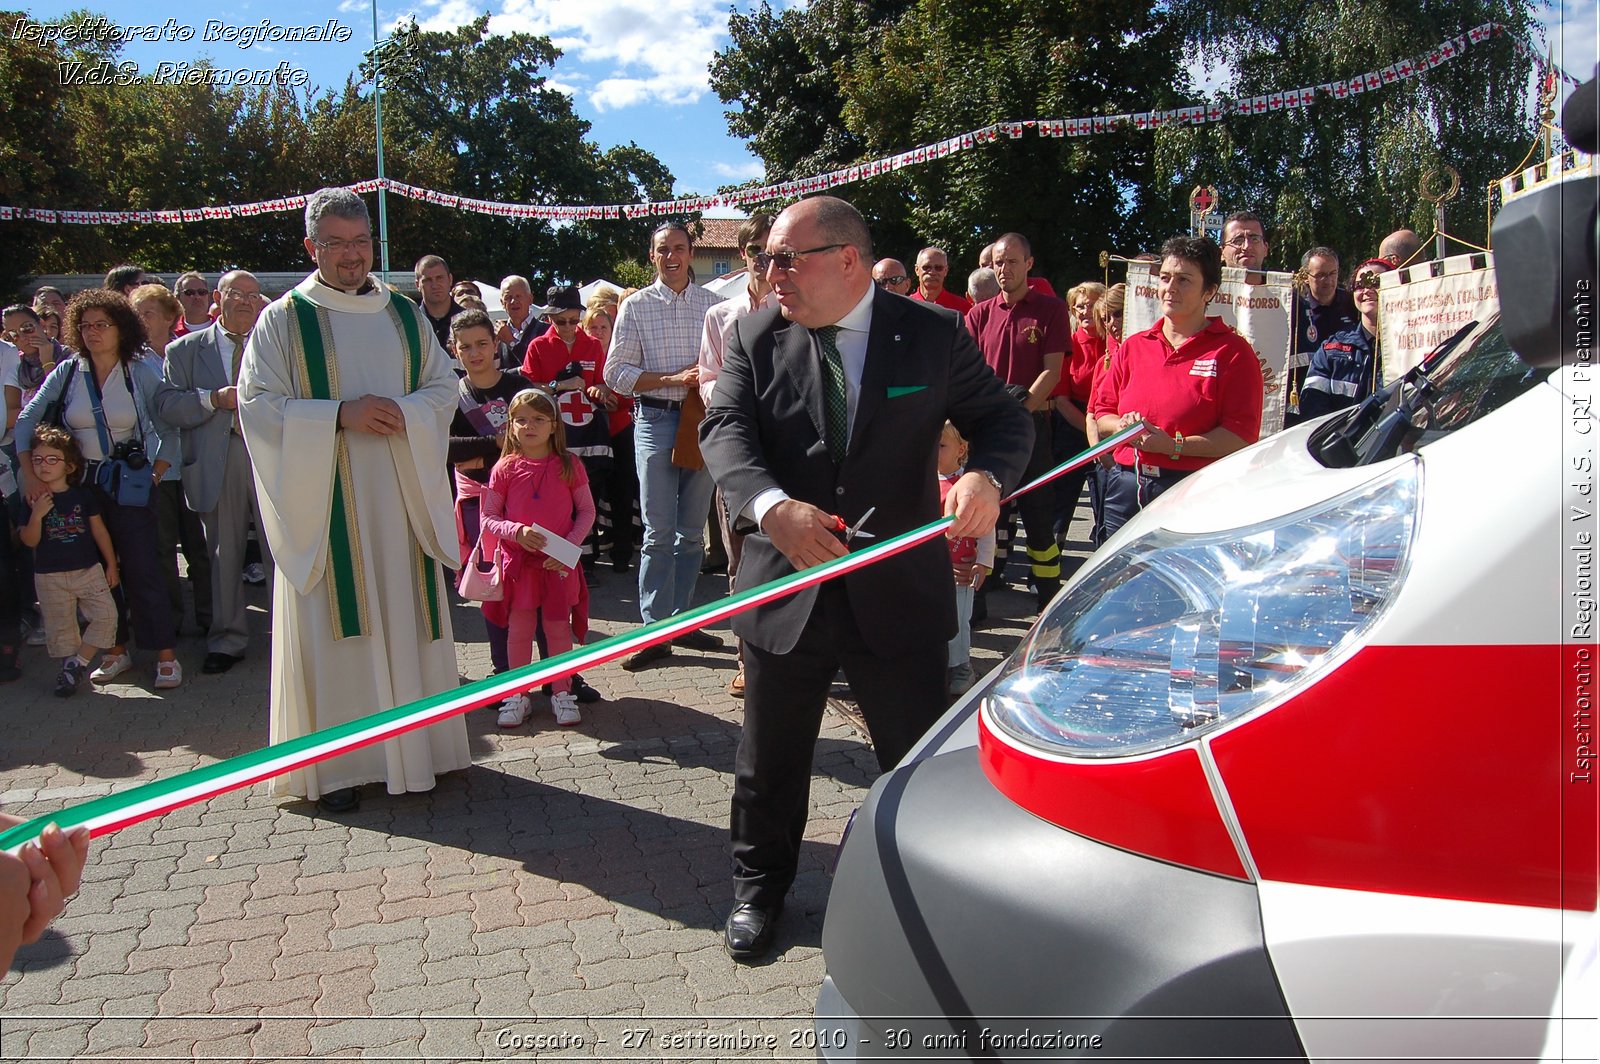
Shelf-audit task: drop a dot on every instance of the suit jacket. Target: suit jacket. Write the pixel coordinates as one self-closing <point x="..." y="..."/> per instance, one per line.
<point x="764" y="429"/>
<point x="195" y="363"/>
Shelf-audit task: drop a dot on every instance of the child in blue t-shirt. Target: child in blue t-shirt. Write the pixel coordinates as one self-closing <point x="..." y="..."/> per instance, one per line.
<point x="73" y="563"/>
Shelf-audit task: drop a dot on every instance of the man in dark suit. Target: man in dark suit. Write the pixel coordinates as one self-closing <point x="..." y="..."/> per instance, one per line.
<point x="828" y="406"/>
<point x="199" y="396"/>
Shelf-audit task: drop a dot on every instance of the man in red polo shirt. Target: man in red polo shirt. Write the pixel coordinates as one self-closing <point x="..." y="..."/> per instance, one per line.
<point x="932" y="267"/>
<point x="1025" y="336"/>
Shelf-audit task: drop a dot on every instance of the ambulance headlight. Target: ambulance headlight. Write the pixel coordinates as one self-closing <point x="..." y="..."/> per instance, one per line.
<point x="1177" y="634"/>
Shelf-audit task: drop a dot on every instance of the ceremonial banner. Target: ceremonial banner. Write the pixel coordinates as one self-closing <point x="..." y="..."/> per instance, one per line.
<point x="1424" y="305"/>
<point x="1258" y="312"/>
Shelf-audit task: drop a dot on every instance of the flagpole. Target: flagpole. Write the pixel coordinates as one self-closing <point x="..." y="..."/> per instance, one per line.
<point x="377" y="117"/>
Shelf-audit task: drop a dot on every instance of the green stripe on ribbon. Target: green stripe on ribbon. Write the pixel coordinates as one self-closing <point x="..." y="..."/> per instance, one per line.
<point x="117" y="809"/>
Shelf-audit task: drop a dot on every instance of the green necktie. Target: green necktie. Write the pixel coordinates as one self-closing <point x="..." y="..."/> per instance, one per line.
<point x="836" y="404"/>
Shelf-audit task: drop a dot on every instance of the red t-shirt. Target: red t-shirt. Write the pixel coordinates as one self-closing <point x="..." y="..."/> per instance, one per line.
<point x="547" y="356"/>
<point x="1042" y="286"/>
<point x="1015" y="339"/>
<point x="947" y="298"/>
<point x="1077" y="375"/>
<point x="1212" y="381"/>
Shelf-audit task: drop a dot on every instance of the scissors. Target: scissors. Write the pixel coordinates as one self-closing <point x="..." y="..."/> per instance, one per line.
<point x="850" y="532"/>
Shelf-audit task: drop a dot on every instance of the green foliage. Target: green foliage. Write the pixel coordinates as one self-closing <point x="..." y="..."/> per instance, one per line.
<point x="1347" y="172"/>
<point x="463" y="111"/>
<point x="818" y="87"/>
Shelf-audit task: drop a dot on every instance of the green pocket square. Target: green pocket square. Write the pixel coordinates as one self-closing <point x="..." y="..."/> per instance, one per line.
<point x="895" y="393"/>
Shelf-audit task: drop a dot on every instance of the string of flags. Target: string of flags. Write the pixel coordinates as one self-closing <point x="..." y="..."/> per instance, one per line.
<point x="1248" y="106"/>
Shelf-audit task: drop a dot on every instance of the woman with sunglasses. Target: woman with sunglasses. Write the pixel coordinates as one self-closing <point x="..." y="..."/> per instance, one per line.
<point x="1191" y="380"/>
<point x="107" y="394"/>
<point x="1105" y="323"/>
<point x="1069" y="401"/>
<point x="1344" y="370"/>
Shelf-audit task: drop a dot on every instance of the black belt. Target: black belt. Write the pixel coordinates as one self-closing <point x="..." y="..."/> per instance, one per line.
<point x="659" y="404"/>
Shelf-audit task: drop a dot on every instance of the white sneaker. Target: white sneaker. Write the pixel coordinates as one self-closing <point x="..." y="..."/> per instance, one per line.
<point x="169" y="674"/>
<point x="960" y="679"/>
<point x="565" y="705"/>
<point x="514" y="710"/>
<point x="111" y="666"/>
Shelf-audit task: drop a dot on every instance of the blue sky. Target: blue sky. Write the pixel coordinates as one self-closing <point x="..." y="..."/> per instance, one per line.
<point x="636" y="68"/>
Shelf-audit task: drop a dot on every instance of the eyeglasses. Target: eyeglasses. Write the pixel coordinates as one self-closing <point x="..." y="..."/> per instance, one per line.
<point x="1244" y="240"/>
<point x="889" y="282"/>
<point x="567" y="321"/>
<point x="94" y="326"/>
<point x="195" y="292"/>
<point x="788" y="260"/>
<point x="753" y="250"/>
<point x="339" y="247"/>
<point x="26" y="330"/>
<point x="46" y="459"/>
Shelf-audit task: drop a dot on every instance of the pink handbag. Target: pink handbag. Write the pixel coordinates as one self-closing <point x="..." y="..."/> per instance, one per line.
<point x="476" y="585"/>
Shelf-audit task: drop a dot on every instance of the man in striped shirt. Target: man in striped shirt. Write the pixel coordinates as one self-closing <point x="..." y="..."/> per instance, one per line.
<point x="654" y="357"/>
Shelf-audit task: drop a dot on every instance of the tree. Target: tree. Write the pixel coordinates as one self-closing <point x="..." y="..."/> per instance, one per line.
<point x="1346" y="172"/>
<point x="1016" y="60"/>
<point x="479" y="105"/>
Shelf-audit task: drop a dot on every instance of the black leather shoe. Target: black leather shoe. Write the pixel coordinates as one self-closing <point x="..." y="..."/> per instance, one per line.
<point x="750" y="930"/>
<point x="641" y="659"/>
<point x="344" y="800"/>
<point x="216" y="663"/>
<point x="583" y="692"/>
<point x="698" y="641"/>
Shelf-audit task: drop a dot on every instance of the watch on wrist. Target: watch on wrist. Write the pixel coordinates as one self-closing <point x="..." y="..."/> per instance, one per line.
<point x="1177" y="445"/>
<point x="991" y="478"/>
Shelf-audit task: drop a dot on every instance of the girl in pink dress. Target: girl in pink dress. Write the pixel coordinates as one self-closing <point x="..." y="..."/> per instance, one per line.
<point x="536" y="482"/>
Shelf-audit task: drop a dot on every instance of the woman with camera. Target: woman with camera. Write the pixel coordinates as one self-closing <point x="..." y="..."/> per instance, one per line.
<point x="104" y="398"/>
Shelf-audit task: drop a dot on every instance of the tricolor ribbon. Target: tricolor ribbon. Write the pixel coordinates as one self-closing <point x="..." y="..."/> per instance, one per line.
<point x="116" y="811"/>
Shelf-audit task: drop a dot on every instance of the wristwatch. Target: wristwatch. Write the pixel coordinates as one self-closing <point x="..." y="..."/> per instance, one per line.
<point x="991" y="478"/>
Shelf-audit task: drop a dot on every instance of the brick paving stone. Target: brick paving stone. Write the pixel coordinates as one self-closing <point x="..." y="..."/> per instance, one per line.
<point x="568" y="873"/>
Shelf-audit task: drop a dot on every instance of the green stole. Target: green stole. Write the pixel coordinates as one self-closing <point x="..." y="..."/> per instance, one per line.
<point x="318" y="373"/>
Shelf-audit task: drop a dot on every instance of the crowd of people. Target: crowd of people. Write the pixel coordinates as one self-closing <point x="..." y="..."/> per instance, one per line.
<point x="364" y="446"/>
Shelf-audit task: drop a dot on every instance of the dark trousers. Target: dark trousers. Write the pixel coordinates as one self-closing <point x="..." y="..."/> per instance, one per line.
<point x="1128" y="491"/>
<point x="141" y="597"/>
<point x="10" y="600"/>
<point x="900" y="697"/>
<point x="181" y="527"/>
<point x="1037" y="509"/>
<point x="622" y="495"/>
<point x="1066" y="441"/>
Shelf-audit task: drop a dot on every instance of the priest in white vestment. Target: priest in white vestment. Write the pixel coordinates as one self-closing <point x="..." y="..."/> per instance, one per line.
<point x="345" y="406"/>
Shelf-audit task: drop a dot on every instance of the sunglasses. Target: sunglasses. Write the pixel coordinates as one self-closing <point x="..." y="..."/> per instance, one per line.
<point x="886" y="282"/>
<point x="788" y="260"/>
<point x="195" y="292"/>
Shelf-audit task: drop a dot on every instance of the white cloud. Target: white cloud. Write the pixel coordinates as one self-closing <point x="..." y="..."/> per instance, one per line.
<point x="1574" y="31"/>
<point x="747" y="170"/>
<point x="643" y="51"/>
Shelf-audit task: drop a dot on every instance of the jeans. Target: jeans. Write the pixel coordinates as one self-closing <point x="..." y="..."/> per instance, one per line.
<point x="960" y="649"/>
<point x="675" y="503"/>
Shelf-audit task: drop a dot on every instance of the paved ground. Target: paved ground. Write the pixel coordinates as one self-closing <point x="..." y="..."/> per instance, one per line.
<point x="561" y="898"/>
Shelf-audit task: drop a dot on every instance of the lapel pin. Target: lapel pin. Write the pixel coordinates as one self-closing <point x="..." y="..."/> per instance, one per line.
<point x="896" y="337"/>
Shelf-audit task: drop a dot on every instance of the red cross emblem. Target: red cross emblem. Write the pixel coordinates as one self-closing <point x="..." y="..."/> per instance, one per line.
<point x="1201" y="201"/>
<point x="576" y="409"/>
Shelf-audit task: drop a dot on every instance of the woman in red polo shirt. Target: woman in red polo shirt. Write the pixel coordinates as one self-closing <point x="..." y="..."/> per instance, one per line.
<point x="1193" y="381"/>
